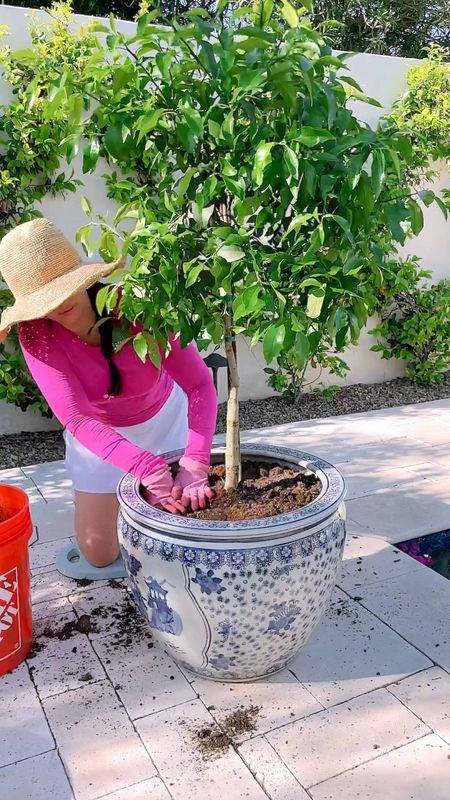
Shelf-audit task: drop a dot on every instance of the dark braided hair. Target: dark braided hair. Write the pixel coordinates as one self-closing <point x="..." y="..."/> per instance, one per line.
<point x="106" y="342"/>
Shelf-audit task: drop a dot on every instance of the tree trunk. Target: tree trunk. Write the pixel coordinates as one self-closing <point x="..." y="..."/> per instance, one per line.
<point x="233" y="448"/>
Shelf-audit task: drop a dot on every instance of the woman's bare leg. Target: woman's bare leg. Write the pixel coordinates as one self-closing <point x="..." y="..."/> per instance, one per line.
<point x="96" y="527"/>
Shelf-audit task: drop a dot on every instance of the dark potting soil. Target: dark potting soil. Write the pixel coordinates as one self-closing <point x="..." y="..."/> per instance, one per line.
<point x="266" y="489"/>
<point x="127" y="624"/>
<point x="83" y="624"/>
<point x="82" y="582"/>
<point x="214" y="741"/>
<point x="243" y="720"/>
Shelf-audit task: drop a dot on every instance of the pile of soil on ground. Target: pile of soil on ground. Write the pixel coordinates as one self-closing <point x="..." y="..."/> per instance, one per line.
<point x="241" y="721"/>
<point x="266" y="489"/>
<point x="213" y="741"/>
<point x="83" y="624"/>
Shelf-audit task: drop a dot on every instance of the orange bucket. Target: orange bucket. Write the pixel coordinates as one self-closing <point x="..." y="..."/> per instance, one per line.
<point x="15" y="595"/>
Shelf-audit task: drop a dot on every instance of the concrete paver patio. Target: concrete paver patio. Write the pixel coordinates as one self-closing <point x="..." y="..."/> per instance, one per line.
<point x="363" y="711"/>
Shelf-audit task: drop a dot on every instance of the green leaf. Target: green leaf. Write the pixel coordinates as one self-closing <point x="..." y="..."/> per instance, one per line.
<point x="336" y="321"/>
<point x="121" y="78"/>
<point x="442" y="206"/>
<point x="115" y="141"/>
<point x="248" y="302"/>
<point x="378" y="172"/>
<point x="291" y="160"/>
<point x="215" y="129"/>
<point x="90" y="155"/>
<point x="98" y="27"/>
<point x="353" y="265"/>
<point x="297" y="222"/>
<point x="111" y="40"/>
<point x="255" y="32"/>
<point x="193" y="275"/>
<point x="416" y="217"/>
<point x="267" y="11"/>
<point x="397" y="214"/>
<point x="86" y="206"/>
<point x="273" y="342"/>
<point x="210" y="59"/>
<point x="100" y="299"/>
<point x="301" y="349"/>
<point x="71" y="151"/>
<point x="83" y="237"/>
<point x="251" y="79"/>
<point x="331" y="102"/>
<point x="227" y="168"/>
<point x="289" y="13"/>
<point x="231" y="253"/>
<point x="360" y="312"/>
<point x="153" y="350"/>
<point x="317" y="240"/>
<point x="202" y="214"/>
<point x="355" y="170"/>
<point x="427" y="196"/>
<point x="310" y="282"/>
<point x="315" y="303"/>
<point x="405" y="148"/>
<point x="396" y="162"/>
<point x="329" y="61"/>
<point x="345" y="225"/>
<point x="194" y="121"/>
<point x="107" y="247"/>
<point x="140" y="346"/>
<point x="246" y="208"/>
<point x="312" y="136"/>
<point x="197" y="12"/>
<point x="357" y="93"/>
<point x="364" y="193"/>
<point x="183" y="185"/>
<point x="263" y="157"/>
<point x="148" y="122"/>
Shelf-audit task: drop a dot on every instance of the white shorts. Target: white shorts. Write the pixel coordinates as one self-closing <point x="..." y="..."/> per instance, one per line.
<point x="166" y="431"/>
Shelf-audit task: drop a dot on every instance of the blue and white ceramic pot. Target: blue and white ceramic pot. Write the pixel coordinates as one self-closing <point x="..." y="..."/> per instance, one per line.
<point x="235" y="601"/>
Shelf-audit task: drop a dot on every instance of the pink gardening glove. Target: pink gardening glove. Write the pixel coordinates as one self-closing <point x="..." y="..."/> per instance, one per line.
<point x="191" y="484"/>
<point x="158" y="491"/>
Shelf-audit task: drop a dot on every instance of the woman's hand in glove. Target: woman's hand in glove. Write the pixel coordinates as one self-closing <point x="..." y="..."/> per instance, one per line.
<point x="191" y="485"/>
<point x="158" y="488"/>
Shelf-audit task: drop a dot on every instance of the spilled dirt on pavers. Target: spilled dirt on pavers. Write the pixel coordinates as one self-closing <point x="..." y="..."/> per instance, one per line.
<point x="213" y="741"/>
<point x="124" y="624"/>
<point x="82" y="624"/>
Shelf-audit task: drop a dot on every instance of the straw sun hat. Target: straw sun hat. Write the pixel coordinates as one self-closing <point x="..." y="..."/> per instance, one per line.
<point x="42" y="270"/>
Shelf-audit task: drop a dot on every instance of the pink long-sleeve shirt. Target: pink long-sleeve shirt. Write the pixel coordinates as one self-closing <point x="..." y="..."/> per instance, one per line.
<point x="74" y="379"/>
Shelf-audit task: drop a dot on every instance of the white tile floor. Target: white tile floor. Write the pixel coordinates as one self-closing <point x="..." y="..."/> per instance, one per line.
<point x="362" y="712"/>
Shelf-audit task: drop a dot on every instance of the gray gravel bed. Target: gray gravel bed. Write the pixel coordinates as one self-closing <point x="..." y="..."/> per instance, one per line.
<point x="349" y="400"/>
<point x="22" y="449"/>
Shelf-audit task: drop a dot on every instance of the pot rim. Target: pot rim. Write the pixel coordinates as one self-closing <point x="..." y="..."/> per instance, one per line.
<point x="330" y="498"/>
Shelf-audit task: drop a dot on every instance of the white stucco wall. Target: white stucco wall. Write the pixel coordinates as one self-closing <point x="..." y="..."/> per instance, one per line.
<point x="382" y="77"/>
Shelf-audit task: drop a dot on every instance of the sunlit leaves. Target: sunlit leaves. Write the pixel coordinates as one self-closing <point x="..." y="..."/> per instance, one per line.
<point x="246" y="182"/>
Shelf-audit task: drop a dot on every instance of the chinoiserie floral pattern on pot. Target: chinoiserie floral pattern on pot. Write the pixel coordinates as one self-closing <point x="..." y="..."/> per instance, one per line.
<point x="235" y="600"/>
